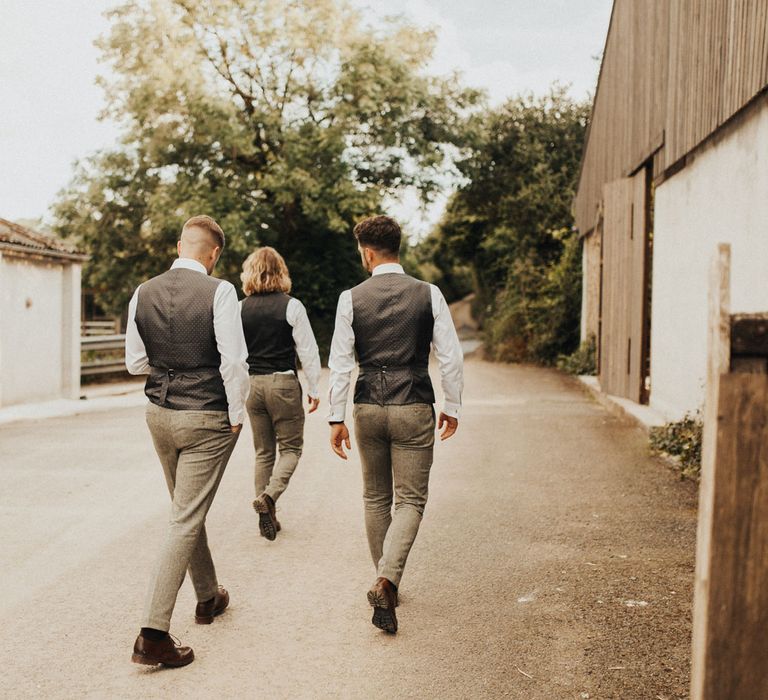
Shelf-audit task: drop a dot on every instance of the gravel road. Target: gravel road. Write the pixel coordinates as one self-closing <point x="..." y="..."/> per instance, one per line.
<point x="555" y="561"/>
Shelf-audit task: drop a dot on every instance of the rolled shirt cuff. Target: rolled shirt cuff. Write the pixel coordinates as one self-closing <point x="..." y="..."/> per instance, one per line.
<point x="336" y="414"/>
<point x="452" y="409"/>
<point x="236" y="417"/>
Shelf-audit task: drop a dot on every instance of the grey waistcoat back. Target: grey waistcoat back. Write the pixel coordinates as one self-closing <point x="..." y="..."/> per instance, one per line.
<point x="174" y="317"/>
<point x="392" y="320"/>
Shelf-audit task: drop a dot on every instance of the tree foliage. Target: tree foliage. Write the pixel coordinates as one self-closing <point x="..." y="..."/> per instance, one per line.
<point x="285" y="120"/>
<point x="511" y="224"/>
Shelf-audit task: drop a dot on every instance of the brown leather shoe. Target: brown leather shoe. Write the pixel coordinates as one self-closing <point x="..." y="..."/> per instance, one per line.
<point x="383" y="600"/>
<point x="268" y="524"/>
<point x="167" y="652"/>
<point x="205" y="612"/>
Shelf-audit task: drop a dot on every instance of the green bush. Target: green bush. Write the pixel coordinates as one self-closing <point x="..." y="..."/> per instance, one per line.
<point x="681" y="439"/>
<point x="508" y="231"/>
<point x="582" y="360"/>
<point x="535" y="318"/>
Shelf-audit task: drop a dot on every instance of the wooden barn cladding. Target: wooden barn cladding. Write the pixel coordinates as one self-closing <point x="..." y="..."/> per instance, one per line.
<point x="673" y="72"/>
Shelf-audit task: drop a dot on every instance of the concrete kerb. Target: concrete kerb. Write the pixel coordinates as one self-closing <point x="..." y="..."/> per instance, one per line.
<point x="643" y="416"/>
<point x="94" y="399"/>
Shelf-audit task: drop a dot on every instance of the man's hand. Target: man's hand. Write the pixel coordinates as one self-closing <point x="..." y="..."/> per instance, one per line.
<point x="236" y="428"/>
<point x="451" y="424"/>
<point x="339" y="438"/>
<point x="313" y="403"/>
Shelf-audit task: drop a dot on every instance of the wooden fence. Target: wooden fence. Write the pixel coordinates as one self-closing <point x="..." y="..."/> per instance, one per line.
<point x="730" y="620"/>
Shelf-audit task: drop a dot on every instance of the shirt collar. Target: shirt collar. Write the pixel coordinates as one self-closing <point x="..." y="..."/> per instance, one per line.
<point x="385" y="268"/>
<point x="189" y="264"/>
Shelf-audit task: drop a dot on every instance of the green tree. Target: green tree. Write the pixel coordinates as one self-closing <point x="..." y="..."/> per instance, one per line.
<point x="511" y="224"/>
<point x="285" y="120"/>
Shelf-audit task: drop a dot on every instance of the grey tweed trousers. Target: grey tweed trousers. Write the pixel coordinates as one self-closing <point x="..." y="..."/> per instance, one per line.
<point x="396" y="445"/>
<point x="194" y="448"/>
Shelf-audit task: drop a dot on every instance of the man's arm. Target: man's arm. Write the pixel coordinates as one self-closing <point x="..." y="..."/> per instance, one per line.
<point x="450" y="359"/>
<point x="306" y="347"/>
<point x="341" y="363"/>
<point x="230" y="341"/>
<point x="136" y="360"/>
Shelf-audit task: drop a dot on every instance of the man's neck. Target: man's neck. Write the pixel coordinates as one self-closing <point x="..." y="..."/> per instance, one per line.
<point x="197" y="260"/>
<point x="376" y="263"/>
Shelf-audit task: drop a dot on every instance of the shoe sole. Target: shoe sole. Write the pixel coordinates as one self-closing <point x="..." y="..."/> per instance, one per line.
<point x="267" y="526"/>
<point x="383" y="617"/>
<point x="208" y="619"/>
<point x="146" y="661"/>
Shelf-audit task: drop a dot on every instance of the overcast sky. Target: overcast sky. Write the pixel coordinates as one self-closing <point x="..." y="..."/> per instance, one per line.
<point x="48" y="65"/>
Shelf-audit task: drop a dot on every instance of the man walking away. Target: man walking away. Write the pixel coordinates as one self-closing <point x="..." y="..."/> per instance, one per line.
<point x="184" y="330"/>
<point x="390" y="321"/>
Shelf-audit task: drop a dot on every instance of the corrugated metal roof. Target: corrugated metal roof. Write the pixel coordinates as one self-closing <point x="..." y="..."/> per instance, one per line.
<point x="22" y="239"/>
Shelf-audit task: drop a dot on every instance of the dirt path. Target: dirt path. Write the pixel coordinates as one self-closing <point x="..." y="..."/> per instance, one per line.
<point x="555" y="561"/>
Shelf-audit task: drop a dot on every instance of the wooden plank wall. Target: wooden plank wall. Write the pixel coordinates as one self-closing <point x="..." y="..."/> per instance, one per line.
<point x="615" y="321"/>
<point x="623" y="288"/>
<point x="592" y="284"/>
<point x="672" y="74"/>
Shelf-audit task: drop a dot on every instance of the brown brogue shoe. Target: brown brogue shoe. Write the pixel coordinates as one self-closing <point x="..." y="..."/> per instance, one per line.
<point x="383" y="599"/>
<point x="268" y="525"/>
<point x="206" y="611"/>
<point x="167" y="652"/>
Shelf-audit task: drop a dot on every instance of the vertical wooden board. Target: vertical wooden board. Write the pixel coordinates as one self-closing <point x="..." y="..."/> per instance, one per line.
<point x="592" y="280"/>
<point x="721" y="33"/>
<point x="637" y="285"/>
<point x="718" y="363"/>
<point x="763" y="44"/>
<point x="617" y="286"/>
<point x="670" y="135"/>
<point x="738" y="594"/>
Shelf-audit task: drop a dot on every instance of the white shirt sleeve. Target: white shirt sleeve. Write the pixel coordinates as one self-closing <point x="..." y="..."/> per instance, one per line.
<point x="136" y="360"/>
<point x="342" y="358"/>
<point x="306" y="345"/>
<point x="450" y="357"/>
<point x="228" y="328"/>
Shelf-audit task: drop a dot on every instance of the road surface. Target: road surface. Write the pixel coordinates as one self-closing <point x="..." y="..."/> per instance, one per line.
<point x="555" y="561"/>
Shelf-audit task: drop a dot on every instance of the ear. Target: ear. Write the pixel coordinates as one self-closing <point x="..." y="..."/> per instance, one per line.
<point x="178" y="247"/>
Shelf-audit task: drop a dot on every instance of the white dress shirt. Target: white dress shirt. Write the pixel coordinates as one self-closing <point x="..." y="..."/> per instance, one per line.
<point x="445" y="343"/>
<point x="230" y="342"/>
<point x="306" y="345"/>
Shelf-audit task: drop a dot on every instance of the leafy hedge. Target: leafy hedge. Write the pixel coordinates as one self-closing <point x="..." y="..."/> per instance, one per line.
<point x="508" y="230"/>
<point x="582" y="361"/>
<point x="681" y="439"/>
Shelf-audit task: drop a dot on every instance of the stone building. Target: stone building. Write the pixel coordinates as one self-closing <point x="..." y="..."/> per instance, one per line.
<point x="39" y="316"/>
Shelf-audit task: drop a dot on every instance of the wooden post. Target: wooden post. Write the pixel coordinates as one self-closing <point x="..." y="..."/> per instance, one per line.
<point x="730" y="618"/>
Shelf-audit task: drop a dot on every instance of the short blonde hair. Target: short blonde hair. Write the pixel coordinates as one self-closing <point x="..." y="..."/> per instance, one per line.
<point x="264" y="271"/>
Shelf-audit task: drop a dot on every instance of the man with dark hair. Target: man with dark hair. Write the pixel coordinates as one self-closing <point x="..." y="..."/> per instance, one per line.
<point x="184" y="331"/>
<point x="391" y="320"/>
<point x="379" y="233"/>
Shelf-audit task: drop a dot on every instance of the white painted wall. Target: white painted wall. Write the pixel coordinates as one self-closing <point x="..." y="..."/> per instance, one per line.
<point x="722" y="196"/>
<point x="39" y="330"/>
<point x="70" y="331"/>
